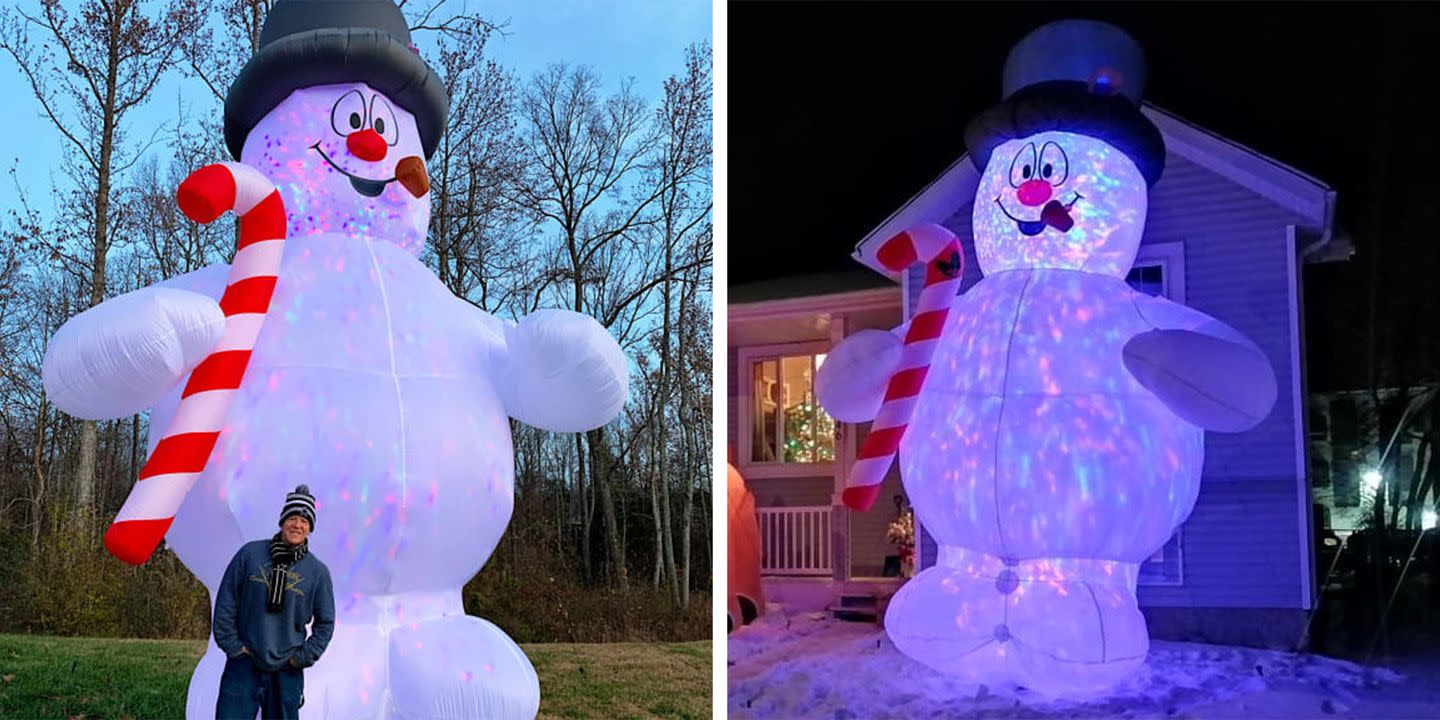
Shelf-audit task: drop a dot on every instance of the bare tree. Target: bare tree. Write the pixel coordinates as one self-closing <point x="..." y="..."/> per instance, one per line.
<point x="167" y="244"/>
<point x="681" y="175"/>
<point x="473" y="229"/>
<point x="89" y="72"/>
<point x="581" y="148"/>
<point x="597" y="180"/>
<point x="217" y="61"/>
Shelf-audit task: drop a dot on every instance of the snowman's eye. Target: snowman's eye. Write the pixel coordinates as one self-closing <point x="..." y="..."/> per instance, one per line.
<point x="1022" y="168"/>
<point x="1054" y="165"/>
<point x="384" y="120"/>
<point x="348" y="114"/>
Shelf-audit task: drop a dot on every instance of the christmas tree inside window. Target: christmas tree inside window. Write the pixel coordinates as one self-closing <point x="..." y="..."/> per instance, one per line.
<point x="788" y="425"/>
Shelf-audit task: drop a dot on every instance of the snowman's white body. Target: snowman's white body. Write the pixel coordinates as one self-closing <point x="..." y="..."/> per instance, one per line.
<point x="374" y="385"/>
<point x="1042" y="456"/>
<point x="1057" y="440"/>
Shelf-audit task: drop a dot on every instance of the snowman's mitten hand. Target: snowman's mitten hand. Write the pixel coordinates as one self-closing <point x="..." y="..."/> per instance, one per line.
<point x="1208" y="381"/>
<point x="121" y="356"/>
<point x="563" y="372"/>
<point x="851" y="383"/>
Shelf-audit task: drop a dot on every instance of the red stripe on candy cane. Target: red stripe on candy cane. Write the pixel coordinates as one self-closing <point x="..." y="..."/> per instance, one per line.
<point x="906" y="383"/>
<point x="184" y="449"/>
<point x="220" y="371"/>
<point x="944" y="270"/>
<point x="882" y="442"/>
<point x="926" y="325"/>
<point x="184" y="453"/>
<point x="266" y="222"/>
<point x="251" y="295"/>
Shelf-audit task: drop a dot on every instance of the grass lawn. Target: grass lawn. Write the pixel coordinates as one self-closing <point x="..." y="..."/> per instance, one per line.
<point x="57" y="677"/>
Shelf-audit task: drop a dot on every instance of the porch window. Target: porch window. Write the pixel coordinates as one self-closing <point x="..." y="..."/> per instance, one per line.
<point x="787" y="425"/>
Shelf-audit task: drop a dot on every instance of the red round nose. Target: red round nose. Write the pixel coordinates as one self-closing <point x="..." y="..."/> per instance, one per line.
<point x="1032" y="192"/>
<point x="367" y="145"/>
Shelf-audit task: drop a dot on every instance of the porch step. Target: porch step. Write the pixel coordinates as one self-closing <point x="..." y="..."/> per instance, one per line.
<point x="858" y="600"/>
<point x="856" y="607"/>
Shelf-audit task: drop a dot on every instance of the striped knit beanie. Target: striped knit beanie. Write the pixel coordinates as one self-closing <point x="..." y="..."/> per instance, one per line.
<point x="301" y="503"/>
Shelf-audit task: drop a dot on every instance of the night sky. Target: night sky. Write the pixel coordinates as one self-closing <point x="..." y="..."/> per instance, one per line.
<point x="840" y="112"/>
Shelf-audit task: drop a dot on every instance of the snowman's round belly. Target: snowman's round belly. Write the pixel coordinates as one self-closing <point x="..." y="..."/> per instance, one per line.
<point x="371" y="385"/>
<point x="1085" y="475"/>
<point x="1030" y="438"/>
<point x="413" y="476"/>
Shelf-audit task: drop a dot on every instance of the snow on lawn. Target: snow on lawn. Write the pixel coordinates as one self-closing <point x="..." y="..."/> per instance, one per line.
<point x="806" y="665"/>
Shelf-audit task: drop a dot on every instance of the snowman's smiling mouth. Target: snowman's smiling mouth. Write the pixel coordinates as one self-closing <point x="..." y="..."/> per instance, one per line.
<point x="1055" y="214"/>
<point x="364" y="186"/>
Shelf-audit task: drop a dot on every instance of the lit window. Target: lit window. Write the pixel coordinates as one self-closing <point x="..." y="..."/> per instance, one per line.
<point x="787" y="424"/>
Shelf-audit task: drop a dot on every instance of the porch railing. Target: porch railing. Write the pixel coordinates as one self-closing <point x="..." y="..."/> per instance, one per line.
<point x="794" y="540"/>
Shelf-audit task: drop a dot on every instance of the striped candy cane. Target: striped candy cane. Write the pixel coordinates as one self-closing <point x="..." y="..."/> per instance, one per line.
<point x="944" y="263"/>
<point x="184" y="449"/>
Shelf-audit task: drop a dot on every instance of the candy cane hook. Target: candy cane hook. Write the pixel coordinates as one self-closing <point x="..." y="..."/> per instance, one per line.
<point x="185" y="448"/>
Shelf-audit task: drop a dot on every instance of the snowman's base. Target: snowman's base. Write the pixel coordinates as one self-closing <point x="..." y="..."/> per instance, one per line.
<point x="400" y="666"/>
<point x="1059" y="627"/>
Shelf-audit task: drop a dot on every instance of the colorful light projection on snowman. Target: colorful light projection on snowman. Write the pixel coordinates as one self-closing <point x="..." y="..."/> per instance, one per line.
<point x="1058" y="437"/>
<point x="328" y="354"/>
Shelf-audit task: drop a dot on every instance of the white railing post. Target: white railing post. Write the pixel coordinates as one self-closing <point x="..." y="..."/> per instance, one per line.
<point x="795" y="540"/>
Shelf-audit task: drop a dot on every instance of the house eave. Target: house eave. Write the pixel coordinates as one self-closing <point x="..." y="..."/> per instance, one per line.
<point x="850" y="301"/>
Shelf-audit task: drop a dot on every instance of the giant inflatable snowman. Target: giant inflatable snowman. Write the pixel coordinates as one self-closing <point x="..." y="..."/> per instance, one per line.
<point x="327" y="353"/>
<point x="1050" y="420"/>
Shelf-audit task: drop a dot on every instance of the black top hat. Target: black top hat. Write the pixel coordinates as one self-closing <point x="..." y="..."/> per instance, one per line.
<point x="1079" y="76"/>
<point x="318" y="42"/>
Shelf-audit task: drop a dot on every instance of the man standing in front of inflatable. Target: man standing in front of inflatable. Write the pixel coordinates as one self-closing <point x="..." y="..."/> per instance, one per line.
<point x="262" y="631"/>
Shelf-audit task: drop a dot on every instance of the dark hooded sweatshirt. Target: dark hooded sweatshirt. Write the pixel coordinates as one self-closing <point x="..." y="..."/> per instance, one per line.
<point x="242" y="620"/>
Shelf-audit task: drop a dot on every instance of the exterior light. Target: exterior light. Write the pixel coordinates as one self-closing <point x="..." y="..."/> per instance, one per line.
<point x="1370" y="481"/>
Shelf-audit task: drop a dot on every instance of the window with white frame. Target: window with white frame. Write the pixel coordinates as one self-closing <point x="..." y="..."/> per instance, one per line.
<point x="787" y="424"/>
<point x="1159" y="270"/>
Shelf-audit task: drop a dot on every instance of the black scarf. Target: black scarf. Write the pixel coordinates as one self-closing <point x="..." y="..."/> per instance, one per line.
<point x="282" y="556"/>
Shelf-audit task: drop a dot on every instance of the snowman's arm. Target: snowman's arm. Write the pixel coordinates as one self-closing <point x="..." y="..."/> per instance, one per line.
<point x="1205" y="371"/>
<point x="560" y="371"/>
<point x="121" y="356"/>
<point x="850" y="385"/>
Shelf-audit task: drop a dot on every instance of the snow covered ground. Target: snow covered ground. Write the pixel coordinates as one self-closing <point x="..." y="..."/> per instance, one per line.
<point x="804" y="665"/>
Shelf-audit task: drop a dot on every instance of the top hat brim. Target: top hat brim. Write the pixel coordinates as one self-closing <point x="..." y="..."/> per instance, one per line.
<point x="1069" y="107"/>
<point x="331" y="56"/>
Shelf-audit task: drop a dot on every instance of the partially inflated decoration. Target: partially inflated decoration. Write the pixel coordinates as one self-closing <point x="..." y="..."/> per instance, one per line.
<point x="328" y="354"/>
<point x="746" y="597"/>
<point x="1050" y="420"/>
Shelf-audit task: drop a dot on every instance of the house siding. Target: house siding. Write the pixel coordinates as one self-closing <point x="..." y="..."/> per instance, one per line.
<point x="791" y="492"/>
<point x="1243" y="542"/>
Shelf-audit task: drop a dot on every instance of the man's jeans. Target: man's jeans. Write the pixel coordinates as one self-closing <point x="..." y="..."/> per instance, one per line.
<point x="245" y="689"/>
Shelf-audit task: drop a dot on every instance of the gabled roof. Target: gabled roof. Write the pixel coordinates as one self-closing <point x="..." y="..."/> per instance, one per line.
<point x="1306" y="196"/>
